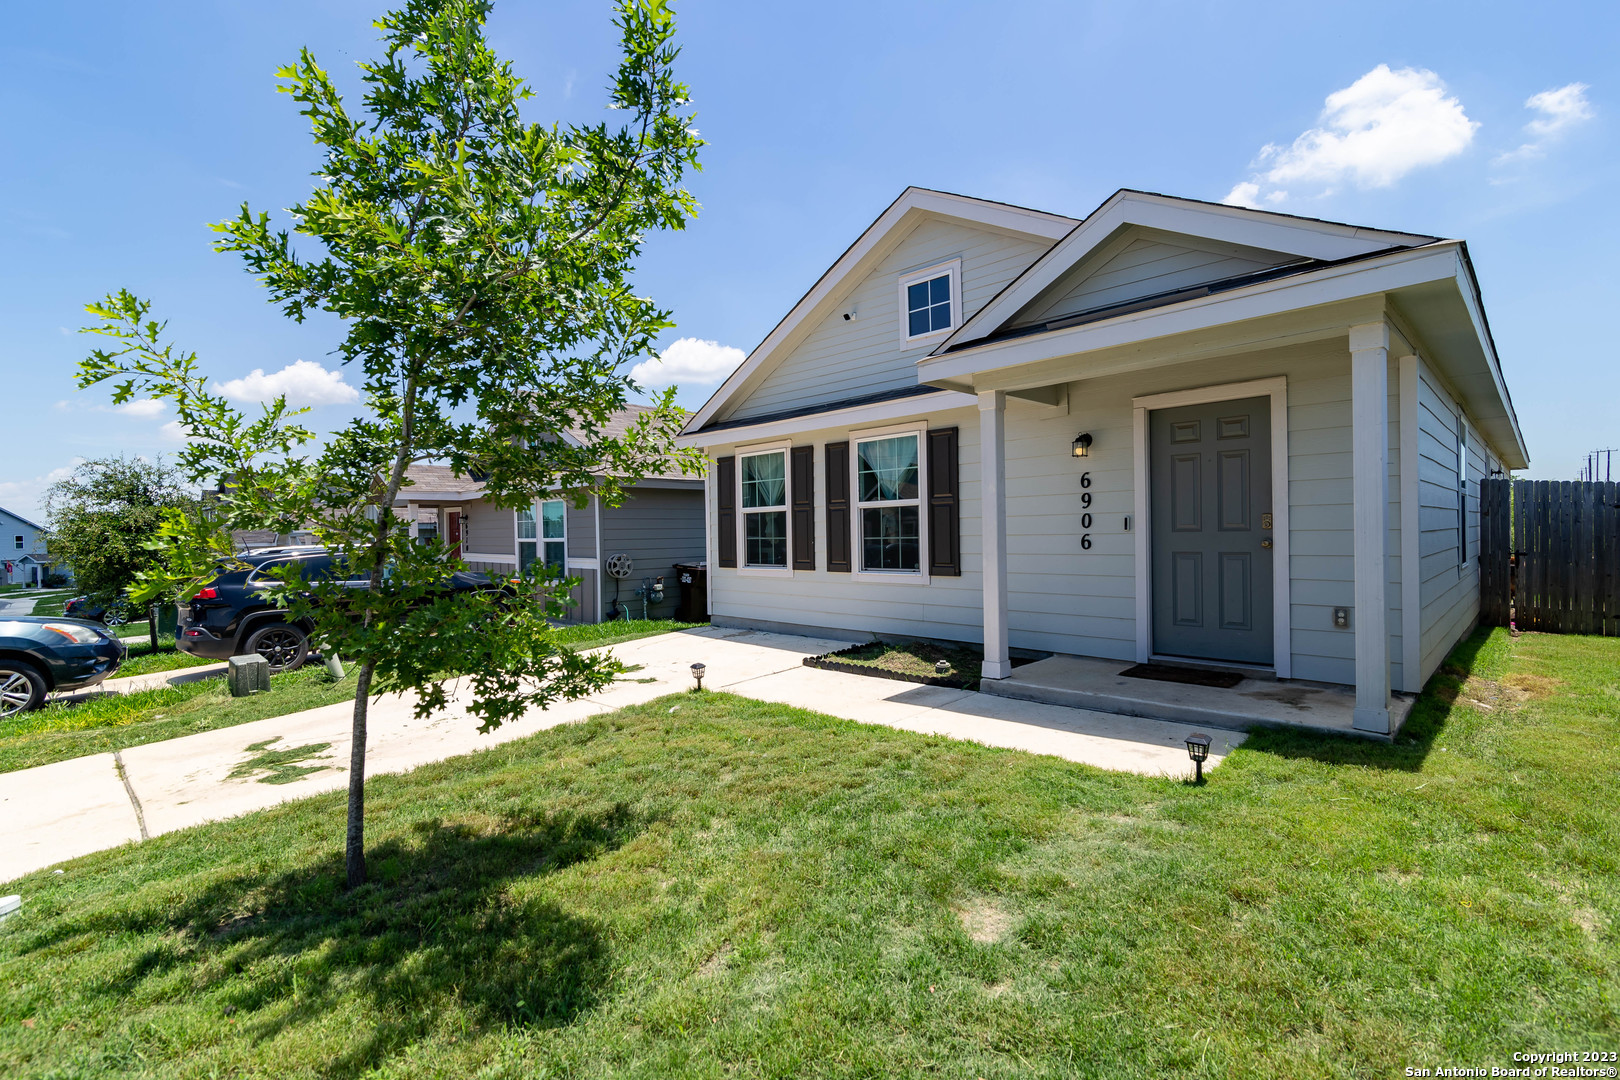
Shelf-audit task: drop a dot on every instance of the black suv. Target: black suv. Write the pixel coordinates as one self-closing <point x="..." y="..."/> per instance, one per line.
<point x="235" y="615"/>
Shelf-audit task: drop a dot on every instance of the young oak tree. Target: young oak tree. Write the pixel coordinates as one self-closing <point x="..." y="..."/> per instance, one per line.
<point x="481" y="266"/>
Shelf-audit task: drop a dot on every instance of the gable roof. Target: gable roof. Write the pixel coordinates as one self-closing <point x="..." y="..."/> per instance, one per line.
<point x="914" y="205"/>
<point x="440" y="482"/>
<point x="1306" y="243"/>
<point x="19" y="517"/>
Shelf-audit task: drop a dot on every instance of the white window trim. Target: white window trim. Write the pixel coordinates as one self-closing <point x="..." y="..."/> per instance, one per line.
<point x="918" y="576"/>
<point x="953" y="269"/>
<point x="540" y="536"/>
<point x="781" y="446"/>
<point x="539" y="540"/>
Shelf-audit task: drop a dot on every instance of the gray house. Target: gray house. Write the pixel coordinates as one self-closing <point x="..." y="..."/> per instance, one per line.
<point x="1172" y="432"/>
<point x="659" y="525"/>
<point x="24" y="559"/>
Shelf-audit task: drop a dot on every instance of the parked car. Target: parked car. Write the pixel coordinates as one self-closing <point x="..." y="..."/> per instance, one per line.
<point x="235" y="615"/>
<point x="116" y="613"/>
<point x="39" y="654"/>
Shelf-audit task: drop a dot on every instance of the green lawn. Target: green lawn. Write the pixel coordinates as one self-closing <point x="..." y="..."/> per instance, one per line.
<point x="144" y="660"/>
<point x="51" y="605"/>
<point x="67" y="730"/>
<point x="709" y="886"/>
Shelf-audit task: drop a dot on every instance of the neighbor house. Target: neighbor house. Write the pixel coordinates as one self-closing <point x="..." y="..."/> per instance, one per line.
<point x="658" y="525"/>
<point x="1172" y="430"/>
<point x="24" y="559"/>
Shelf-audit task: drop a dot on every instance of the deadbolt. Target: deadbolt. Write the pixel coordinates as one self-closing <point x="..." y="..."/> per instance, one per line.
<point x="1265" y="521"/>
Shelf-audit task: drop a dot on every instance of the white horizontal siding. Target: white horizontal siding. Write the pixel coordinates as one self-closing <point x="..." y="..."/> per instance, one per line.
<point x="1448" y="585"/>
<point x="1065" y="599"/>
<point x="1144" y="263"/>
<point x="867" y="354"/>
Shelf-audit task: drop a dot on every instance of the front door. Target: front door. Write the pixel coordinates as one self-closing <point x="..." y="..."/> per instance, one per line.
<point x="1209" y="471"/>
<point x="452" y="532"/>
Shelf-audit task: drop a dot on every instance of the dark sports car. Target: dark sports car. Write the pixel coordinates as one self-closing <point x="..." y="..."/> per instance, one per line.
<point x="40" y="654"/>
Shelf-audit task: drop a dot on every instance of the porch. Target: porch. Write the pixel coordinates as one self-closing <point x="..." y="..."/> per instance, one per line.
<point x="1080" y="682"/>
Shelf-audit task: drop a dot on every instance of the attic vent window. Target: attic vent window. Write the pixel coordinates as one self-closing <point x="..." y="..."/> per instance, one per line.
<point x="928" y="300"/>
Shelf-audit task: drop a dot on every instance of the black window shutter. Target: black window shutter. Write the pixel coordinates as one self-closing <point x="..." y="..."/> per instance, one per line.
<point x="838" y="516"/>
<point x="944" y="505"/>
<point x="725" y="479"/>
<point x="802" y="495"/>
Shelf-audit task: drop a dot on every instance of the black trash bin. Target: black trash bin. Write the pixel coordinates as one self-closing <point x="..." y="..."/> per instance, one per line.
<point x="693" y="579"/>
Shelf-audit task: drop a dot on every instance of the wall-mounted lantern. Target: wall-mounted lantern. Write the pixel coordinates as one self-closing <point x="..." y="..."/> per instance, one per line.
<point x="1082" y="444"/>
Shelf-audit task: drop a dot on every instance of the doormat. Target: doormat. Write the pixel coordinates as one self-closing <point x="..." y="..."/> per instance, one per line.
<point x="1191" y="676"/>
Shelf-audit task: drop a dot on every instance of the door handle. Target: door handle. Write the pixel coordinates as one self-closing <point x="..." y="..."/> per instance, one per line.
<point x="1265" y="543"/>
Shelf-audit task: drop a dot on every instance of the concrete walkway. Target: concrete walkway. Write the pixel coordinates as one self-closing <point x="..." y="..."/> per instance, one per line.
<point x="22" y="602"/>
<point x="60" y="811"/>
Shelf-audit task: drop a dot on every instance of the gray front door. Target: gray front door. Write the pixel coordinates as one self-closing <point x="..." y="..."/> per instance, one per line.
<point x="1209" y="471"/>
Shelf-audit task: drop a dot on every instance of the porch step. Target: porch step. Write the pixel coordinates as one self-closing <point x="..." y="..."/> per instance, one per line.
<point x="1086" y="683"/>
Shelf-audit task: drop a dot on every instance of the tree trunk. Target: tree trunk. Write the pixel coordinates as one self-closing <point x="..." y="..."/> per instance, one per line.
<point x="151" y="625"/>
<point x="355" y="855"/>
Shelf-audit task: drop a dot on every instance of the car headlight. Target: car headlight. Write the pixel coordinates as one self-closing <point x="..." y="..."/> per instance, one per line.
<point x="79" y="635"/>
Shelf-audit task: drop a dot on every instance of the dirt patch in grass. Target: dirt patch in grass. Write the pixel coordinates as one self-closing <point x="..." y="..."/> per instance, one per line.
<point x="1531" y="686"/>
<point x="984" y="921"/>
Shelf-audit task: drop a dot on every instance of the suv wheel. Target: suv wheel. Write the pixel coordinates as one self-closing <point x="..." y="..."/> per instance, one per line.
<point x="283" y="645"/>
<point x="116" y="615"/>
<point x="21" y="688"/>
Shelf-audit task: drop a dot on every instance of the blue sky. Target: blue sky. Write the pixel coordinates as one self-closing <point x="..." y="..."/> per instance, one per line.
<point x="131" y="127"/>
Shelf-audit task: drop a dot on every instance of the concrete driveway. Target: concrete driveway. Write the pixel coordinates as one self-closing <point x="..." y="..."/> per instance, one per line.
<point x="60" y="811"/>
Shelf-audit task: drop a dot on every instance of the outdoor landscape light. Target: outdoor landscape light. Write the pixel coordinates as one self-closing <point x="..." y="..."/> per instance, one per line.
<point x="1198" y="750"/>
<point x="1082" y="443"/>
<point x="697" y="674"/>
<point x="942" y="667"/>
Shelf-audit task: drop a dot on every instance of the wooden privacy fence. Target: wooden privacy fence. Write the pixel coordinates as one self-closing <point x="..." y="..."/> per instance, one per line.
<point x="1549" y="554"/>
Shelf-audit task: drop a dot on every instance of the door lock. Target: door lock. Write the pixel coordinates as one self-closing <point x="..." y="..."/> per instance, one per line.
<point x="1265" y="543"/>
<point x="1265" y="521"/>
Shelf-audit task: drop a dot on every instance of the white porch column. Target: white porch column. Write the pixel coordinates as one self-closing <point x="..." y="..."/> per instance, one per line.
<point x="993" y="521"/>
<point x="1369" y="409"/>
<point x="410" y="515"/>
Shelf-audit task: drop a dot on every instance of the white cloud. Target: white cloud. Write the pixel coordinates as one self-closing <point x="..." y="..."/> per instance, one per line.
<point x="145" y="408"/>
<point x="26" y="497"/>
<point x="173" y="432"/>
<point x="302" y="382"/>
<point x="1559" y="110"/>
<point x="688" y="361"/>
<point x="1371" y="134"/>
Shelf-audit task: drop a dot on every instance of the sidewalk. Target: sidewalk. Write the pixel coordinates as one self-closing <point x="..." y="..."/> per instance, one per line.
<point x="70" y="808"/>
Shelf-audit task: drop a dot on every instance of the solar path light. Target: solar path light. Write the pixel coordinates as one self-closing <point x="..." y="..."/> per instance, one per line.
<point x="1198" y="750"/>
<point x="697" y="674"/>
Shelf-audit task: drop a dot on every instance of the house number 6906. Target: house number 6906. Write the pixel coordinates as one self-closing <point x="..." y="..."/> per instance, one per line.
<point x="1085" y="518"/>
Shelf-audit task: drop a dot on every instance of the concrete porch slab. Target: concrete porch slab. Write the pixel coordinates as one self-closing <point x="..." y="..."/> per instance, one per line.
<point x="1082" y="682"/>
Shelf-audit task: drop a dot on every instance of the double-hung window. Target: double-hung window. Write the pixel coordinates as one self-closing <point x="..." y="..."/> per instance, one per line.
<point x="888" y="503"/>
<point x="544" y="537"/>
<point x="929" y="300"/>
<point x="764" y="509"/>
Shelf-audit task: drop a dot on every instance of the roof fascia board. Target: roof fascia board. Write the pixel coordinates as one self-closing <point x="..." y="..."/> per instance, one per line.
<point x="879" y="238"/>
<point x="1311" y="289"/>
<point x="1302" y="237"/>
<point x="898" y="409"/>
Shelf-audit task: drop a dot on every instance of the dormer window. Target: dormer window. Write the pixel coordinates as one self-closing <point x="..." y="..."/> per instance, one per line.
<point x="929" y="300"/>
